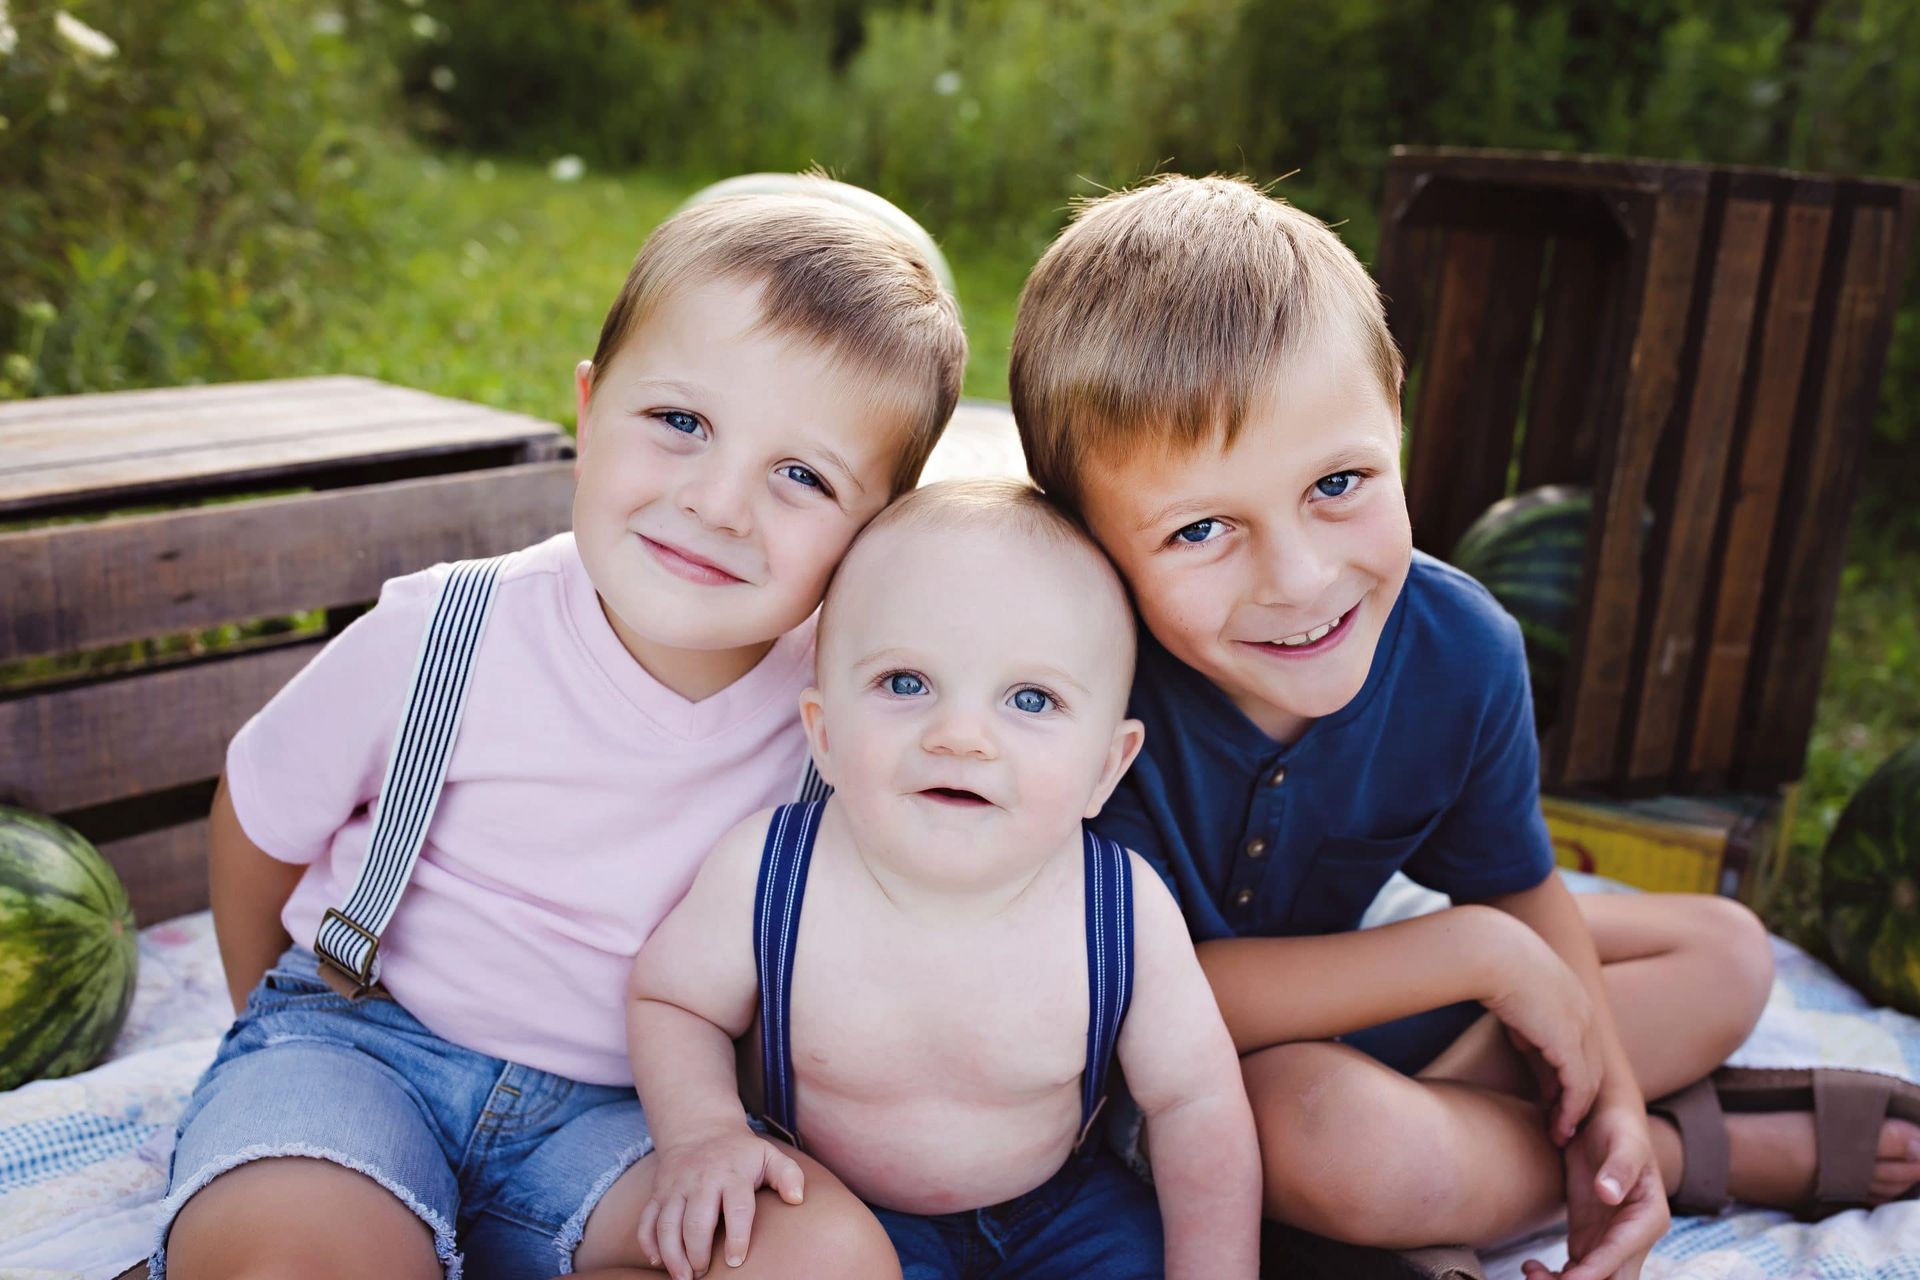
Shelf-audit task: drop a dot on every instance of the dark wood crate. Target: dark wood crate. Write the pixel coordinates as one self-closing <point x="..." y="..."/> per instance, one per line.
<point x="1700" y="344"/>
<point x="367" y="481"/>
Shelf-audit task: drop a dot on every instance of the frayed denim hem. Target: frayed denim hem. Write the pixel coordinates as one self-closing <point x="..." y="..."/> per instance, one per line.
<point x="443" y="1241"/>
<point x="570" y="1234"/>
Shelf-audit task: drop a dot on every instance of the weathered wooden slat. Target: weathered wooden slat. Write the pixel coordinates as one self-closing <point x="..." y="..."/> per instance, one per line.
<point x="165" y="871"/>
<point x="1600" y="659"/>
<point x="1673" y="638"/>
<point x="1764" y="451"/>
<point x="1465" y="294"/>
<point x="1573" y="364"/>
<point x="1405" y="262"/>
<point x="146" y="732"/>
<point x="1800" y="611"/>
<point x="95" y="404"/>
<point x="266" y="464"/>
<point x="75" y="587"/>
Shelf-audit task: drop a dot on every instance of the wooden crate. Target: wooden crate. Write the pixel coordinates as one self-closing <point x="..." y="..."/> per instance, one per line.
<point x="1702" y="344"/>
<point x="383" y="481"/>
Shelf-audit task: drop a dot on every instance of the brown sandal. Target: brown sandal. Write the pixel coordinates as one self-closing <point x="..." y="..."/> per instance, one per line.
<point x="1848" y="1109"/>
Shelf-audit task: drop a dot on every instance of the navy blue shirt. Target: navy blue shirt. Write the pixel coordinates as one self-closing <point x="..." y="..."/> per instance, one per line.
<point x="1432" y="769"/>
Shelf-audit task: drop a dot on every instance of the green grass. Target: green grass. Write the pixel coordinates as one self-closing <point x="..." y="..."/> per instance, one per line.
<point x="501" y="275"/>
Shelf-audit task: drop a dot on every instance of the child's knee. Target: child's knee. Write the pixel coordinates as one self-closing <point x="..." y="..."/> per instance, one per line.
<point x="1344" y="1143"/>
<point x="1742" y="961"/>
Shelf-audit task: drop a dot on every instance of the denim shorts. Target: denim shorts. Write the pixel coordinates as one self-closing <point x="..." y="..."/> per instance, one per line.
<point x="1093" y="1218"/>
<point x="502" y="1162"/>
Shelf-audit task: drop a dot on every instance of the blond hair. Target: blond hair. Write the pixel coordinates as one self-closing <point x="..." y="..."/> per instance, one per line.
<point x="829" y="275"/>
<point x="995" y="503"/>
<point x="1162" y="314"/>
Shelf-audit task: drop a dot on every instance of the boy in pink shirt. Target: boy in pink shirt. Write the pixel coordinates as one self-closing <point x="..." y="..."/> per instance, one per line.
<point x="775" y="369"/>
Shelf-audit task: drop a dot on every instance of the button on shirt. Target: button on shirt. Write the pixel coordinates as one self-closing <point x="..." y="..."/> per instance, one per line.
<point x="1432" y="769"/>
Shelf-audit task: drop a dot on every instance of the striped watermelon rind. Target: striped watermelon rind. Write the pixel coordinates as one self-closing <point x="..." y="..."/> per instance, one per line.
<point x="1870" y="884"/>
<point x="68" y="950"/>
<point x="1530" y="551"/>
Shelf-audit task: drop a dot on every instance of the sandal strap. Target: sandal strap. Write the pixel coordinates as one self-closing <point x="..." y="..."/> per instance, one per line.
<point x="1848" y="1108"/>
<point x="1695" y="1112"/>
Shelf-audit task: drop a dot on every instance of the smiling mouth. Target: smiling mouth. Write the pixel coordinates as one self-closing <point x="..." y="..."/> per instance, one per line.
<point x="1311" y="640"/>
<point x="954" y="796"/>
<point x="684" y="564"/>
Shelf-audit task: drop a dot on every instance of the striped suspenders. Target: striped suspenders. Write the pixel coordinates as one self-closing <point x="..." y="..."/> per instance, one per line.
<point x="349" y="937"/>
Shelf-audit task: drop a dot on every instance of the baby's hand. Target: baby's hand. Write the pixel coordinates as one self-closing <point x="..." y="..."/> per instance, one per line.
<point x="1549" y="1018"/>
<point x="698" y="1180"/>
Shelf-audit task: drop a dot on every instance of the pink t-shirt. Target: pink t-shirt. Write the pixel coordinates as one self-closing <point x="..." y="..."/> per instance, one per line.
<point x="581" y="797"/>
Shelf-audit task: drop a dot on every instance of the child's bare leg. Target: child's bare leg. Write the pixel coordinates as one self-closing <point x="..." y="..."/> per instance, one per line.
<point x="284" y="1217"/>
<point x="1356" y="1151"/>
<point x="1687" y="977"/>
<point x="830" y="1233"/>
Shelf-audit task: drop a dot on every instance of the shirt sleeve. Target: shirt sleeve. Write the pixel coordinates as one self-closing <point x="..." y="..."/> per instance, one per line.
<point x="1493" y="840"/>
<point x="315" y="754"/>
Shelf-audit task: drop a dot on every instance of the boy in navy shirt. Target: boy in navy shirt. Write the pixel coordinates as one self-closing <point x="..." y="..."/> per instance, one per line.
<point x="1205" y="375"/>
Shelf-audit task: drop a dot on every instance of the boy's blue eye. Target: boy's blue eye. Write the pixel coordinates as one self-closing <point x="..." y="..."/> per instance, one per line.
<point x="1032" y="700"/>
<point x="680" y="420"/>
<point x="1198" y="531"/>
<point x="1337" y="484"/>
<point x="906" y="684"/>
<point x="801" y="475"/>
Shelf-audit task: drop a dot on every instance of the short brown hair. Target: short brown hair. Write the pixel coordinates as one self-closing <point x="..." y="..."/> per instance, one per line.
<point x="1161" y="314"/>
<point x="828" y="274"/>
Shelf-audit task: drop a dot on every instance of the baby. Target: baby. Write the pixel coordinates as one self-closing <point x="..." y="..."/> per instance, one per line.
<point x="938" y="963"/>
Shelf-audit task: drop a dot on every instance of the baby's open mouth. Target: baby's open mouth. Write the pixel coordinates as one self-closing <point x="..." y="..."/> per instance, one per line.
<point x="955" y="795"/>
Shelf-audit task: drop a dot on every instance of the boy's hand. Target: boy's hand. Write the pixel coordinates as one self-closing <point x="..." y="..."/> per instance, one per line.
<point x="1616" y="1205"/>
<point x="699" y="1180"/>
<point x="1549" y="1018"/>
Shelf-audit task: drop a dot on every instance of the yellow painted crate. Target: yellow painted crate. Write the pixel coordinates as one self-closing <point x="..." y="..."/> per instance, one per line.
<point x="1672" y="844"/>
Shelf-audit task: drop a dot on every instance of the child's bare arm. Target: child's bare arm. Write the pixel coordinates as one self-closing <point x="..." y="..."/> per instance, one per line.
<point x="693" y="991"/>
<point x="248" y="887"/>
<point x="1182" y="1069"/>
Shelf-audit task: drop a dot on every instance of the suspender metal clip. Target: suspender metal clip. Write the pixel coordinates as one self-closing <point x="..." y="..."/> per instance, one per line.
<point x="361" y="977"/>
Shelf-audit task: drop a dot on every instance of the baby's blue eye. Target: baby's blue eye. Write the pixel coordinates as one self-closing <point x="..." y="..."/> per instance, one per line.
<point x="1335" y="485"/>
<point x="906" y="684"/>
<point x="801" y="475"/>
<point x="680" y="420"/>
<point x="1032" y="700"/>
<point x="1198" y="531"/>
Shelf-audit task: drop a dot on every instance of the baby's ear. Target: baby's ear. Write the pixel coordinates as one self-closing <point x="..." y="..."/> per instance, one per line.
<point x="1128" y="737"/>
<point x="813" y="717"/>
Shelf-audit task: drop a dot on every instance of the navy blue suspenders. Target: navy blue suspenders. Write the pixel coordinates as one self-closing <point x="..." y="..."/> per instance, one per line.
<point x="776" y="923"/>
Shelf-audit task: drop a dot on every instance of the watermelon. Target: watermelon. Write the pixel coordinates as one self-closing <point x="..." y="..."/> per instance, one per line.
<point x="879" y="208"/>
<point x="1870" y="884"/>
<point x="1529" y="551"/>
<point x="68" y="950"/>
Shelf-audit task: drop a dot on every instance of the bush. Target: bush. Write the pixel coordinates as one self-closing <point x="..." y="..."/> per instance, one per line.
<point x="179" y="175"/>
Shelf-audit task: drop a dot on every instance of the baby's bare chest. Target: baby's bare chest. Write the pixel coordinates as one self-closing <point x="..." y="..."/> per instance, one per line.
<point x="881" y="1008"/>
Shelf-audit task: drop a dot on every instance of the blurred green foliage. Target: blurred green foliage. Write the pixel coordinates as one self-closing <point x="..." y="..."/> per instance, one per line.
<point x="178" y="177"/>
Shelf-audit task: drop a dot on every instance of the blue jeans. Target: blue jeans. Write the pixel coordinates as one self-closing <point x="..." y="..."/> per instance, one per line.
<point x="1093" y="1218"/>
<point x="502" y="1162"/>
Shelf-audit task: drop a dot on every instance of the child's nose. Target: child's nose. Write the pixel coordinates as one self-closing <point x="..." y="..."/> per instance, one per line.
<point x="1296" y="573"/>
<point x="717" y="498"/>
<point x="958" y="732"/>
